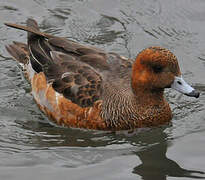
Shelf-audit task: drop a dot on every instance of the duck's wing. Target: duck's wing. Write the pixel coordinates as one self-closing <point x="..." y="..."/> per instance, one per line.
<point x="71" y="68"/>
<point x="75" y="70"/>
<point x="77" y="81"/>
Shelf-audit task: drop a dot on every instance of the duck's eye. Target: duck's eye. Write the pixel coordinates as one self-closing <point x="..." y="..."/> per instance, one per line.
<point x="157" y="68"/>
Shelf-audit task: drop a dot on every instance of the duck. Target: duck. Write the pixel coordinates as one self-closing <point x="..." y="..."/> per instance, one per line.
<point x="81" y="86"/>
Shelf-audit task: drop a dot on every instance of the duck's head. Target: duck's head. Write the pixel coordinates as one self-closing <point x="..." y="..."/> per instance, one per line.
<point x="157" y="68"/>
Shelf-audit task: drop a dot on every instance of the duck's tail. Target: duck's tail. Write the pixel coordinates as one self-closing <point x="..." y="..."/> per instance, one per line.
<point x="32" y="27"/>
<point x="20" y="51"/>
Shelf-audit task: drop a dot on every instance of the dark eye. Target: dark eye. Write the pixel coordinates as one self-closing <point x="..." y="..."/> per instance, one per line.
<point x="157" y="68"/>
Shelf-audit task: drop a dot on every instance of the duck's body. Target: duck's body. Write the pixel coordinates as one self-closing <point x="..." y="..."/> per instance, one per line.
<point x="85" y="87"/>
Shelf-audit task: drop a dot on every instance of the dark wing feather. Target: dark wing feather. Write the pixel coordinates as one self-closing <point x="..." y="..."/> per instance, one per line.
<point x="93" y="56"/>
<point x="70" y="76"/>
<point x="77" y="81"/>
<point x="73" y="69"/>
<point x="73" y="47"/>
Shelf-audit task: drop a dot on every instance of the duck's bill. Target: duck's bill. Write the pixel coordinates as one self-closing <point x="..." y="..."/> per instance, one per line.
<point x="180" y="85"/>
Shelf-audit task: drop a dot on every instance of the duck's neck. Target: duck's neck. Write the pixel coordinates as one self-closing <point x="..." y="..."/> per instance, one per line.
<point x="149" y="97"/>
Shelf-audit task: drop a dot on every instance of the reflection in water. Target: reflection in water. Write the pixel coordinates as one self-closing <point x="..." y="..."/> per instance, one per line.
<point x="150" y="146"/>
<point x="155" y="164"/>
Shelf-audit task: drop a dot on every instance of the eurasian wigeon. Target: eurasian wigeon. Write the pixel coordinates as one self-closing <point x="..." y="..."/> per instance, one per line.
<point x="85" y="87"/>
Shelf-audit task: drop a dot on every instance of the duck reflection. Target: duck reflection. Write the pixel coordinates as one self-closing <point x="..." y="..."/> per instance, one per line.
<point x="151" y="148"/>
<point x="155" y="164"/>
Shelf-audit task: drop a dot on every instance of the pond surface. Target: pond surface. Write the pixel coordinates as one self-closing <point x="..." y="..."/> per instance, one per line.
<point x="31" y="148"/>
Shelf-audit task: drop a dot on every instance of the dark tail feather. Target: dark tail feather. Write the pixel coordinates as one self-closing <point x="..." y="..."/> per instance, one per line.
<point x="31" y="23"/>
<point x="32" y="28"/>
<point x="23" y="46"/>
<point x="19" y="52"/>
<point x="33" y="51"/>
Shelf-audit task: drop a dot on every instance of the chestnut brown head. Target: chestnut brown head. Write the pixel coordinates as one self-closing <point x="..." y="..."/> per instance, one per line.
<point x="157" y="68"/>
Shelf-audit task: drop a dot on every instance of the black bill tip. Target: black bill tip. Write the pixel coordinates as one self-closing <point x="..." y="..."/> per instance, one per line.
<point x="194" y="93"/>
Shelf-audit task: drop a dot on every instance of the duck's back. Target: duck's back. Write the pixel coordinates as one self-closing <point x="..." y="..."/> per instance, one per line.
<point x="72" y="82"/>
<point x="81" y="73"/>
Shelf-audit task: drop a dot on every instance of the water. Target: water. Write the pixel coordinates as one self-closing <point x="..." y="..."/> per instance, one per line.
<point x="32" y="148"/>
